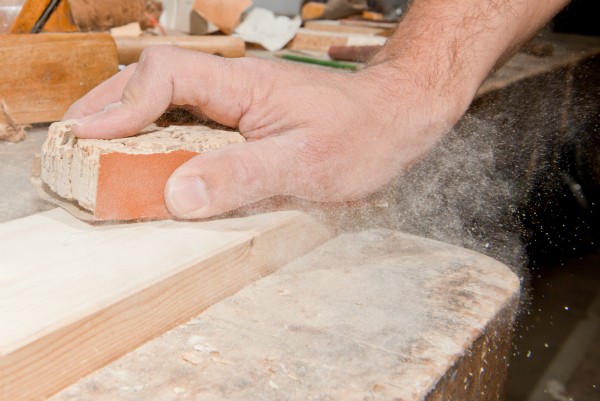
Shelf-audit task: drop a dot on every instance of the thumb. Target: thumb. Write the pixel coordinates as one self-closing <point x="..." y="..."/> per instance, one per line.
<point x="219" y="181"/>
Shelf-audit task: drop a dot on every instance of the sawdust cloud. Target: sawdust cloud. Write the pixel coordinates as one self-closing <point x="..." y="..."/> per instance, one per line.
<point x="493" y="172"/>
<point x="459" y="194"/>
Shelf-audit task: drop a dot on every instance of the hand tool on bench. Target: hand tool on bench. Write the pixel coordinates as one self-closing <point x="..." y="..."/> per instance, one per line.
<point x="44" y="16"/>
<point x="42" y="75"/>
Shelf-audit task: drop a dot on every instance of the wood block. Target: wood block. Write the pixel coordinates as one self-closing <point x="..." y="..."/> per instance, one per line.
<point x="123" y="179"/>
<point x="106" y="14"/>
<point x="74" y="297"/>
<point x="307" y="39"/>
<point x="336" y="26"/>
<point x="312" y="10"/>
<point x="372" y="315"/>
<point x="42" y="75"/>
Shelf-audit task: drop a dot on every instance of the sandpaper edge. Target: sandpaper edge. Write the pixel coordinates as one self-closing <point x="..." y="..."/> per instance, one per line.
<point x="48" y="195"/>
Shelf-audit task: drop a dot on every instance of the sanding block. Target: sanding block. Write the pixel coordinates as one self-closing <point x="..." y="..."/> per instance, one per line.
<point x="119" y="179"/>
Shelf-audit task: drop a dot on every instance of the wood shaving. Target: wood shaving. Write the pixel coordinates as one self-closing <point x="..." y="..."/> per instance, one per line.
<point x="220" y="360"/>
<point x="10" y="130"/>
<point x="192" y="358"/>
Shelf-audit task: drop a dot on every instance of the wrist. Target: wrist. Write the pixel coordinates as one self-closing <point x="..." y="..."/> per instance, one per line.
<point x="410" y="89"/>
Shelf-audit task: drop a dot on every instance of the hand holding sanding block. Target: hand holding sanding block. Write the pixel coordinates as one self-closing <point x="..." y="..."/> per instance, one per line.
<point x="122" y="179"/>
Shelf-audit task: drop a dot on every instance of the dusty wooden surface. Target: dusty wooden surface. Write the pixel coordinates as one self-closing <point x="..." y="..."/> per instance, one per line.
<point x="18" y="197"/>
<point x="568" y="51"/>
<point x="87" y="295"/>
<point x="375" y="315"/>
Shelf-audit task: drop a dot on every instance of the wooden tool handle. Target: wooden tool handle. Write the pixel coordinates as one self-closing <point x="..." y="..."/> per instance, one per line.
<point x="42" y="75"/>
<point x="353" y="53"/>
<point x="130" y="48"/>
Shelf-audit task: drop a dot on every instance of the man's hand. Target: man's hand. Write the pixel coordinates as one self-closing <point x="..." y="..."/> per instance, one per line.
<point x="318" y="135"/>
<point x="315" y="134"/>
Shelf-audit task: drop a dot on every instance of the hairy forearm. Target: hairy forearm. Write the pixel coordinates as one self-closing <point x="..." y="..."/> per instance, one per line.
<point x="450" y="47"/>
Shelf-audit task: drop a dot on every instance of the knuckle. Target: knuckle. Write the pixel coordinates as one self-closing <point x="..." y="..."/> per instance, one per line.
<point x="248" y="173"/>
<point x="153" y="55"/>
<point x="319" y="161"/>
<point x="159" y="60"/>
<point x="149" y="56"/>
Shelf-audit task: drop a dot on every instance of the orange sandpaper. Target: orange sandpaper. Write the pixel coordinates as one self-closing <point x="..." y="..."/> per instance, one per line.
<point x="131" y="187"/>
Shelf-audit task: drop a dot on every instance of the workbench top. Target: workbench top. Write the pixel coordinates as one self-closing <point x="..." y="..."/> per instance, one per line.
<point x="375" y="315"/>
<point x="18" y="197"/>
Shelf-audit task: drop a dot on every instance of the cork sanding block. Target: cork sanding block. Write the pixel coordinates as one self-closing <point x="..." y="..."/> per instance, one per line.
<point x="120" y="179"/>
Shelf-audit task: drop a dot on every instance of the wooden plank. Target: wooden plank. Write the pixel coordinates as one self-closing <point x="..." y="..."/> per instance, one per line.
<point x="307" y="39"/>
<point x="42" y="75"/>
<point x="74" y="297"/>
<point x="336" y="26"/>
<point x="372" y="315"/>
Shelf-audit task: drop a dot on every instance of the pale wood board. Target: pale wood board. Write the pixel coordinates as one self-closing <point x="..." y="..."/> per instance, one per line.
<point x="74" y="297"/>
<point x="372" y="315"/>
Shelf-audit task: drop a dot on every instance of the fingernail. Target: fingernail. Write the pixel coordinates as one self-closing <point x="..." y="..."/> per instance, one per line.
<point x="185" y="195"/>
<point x="79" y="124"/>
<point x="74" y="126"/>
<point x="82" y="120"/>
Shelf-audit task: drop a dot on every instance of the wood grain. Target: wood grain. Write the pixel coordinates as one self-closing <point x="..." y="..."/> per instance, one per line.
<point x="336" y="26"/>
<point x="88" y="295"/>
<point x="42" y="75"/>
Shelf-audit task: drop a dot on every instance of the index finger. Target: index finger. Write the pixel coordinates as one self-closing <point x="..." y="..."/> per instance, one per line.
<point x="108" y="92"/>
